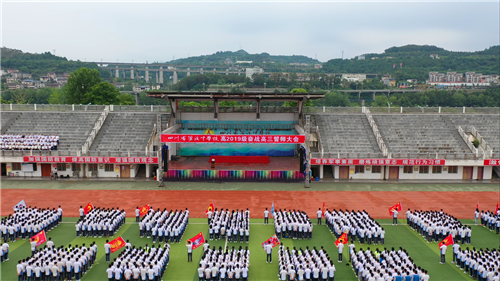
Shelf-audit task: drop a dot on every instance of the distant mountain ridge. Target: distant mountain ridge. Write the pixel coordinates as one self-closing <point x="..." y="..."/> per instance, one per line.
<point x="43" y="63"/>
<point x="415" y="62"/>
<point x="229" y="57"/>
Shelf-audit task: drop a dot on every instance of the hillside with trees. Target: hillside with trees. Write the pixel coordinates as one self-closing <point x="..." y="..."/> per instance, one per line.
<point x="417" y="62"/>
<point x="229" y="57"/>
<point x="41" y="64"/>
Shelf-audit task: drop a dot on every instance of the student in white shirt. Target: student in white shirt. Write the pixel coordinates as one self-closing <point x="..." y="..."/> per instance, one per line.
<point x="319" y="215"/>
<point x="189" y="246"/>
<point x="266" y="217"/>
<point x="269" y="252"/>
<point x="443" y="253"/>
<point x="395" y="217"/>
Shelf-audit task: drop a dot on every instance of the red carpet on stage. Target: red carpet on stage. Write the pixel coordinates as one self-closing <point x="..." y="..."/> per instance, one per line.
<point x="239" y="159"/>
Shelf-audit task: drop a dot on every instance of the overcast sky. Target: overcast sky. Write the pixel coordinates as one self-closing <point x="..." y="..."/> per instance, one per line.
<point x="141" y="32"/>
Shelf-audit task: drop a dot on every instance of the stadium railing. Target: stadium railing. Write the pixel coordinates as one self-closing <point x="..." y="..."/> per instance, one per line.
<point x="264" y="109"/>
<point x="83" y="107"/>
<point x="21" y="153"/>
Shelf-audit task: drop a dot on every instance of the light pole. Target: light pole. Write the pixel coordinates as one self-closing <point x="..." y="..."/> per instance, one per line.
<point x="265" y="86"/>
<point x="203" y="86"/>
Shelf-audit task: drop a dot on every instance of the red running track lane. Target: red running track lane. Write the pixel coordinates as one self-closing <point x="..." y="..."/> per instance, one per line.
<point x="376" y="203"/>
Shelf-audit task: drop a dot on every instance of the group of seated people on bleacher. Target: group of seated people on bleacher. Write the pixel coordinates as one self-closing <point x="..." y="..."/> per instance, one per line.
<point x="28" y="142"/>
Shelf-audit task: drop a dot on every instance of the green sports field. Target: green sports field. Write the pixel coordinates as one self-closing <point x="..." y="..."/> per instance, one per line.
<point x="424" y="254"/>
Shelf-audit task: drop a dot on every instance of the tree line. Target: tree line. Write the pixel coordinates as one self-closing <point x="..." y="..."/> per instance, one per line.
<point x="84" y="86"/>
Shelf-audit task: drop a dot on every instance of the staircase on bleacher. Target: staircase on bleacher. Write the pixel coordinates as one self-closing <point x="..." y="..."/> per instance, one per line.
<point x="488" y="126"/>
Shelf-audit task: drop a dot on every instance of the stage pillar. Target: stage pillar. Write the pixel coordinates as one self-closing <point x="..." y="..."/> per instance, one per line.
<point x="321" y="168"/>
<point x="216" y="109"/>
<point x="258" y="110"/>
<point x="148" y="170"/>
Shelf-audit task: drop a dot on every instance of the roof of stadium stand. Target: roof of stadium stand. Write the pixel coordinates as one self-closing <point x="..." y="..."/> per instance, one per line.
<point x="235" y="96"/>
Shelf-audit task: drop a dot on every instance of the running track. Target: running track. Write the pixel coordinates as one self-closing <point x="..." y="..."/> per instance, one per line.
<point x="376" y="203"/>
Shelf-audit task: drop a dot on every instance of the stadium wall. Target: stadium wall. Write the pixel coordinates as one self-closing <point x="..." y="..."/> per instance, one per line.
<point x="416" y="175"/>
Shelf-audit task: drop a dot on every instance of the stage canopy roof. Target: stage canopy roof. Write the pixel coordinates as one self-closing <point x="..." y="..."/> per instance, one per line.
<point x="262" y="96"/>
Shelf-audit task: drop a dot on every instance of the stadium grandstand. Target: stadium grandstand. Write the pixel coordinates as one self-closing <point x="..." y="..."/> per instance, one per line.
<point x="254" y="143"/>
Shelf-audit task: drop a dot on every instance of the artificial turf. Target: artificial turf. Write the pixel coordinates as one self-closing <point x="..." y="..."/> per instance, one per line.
<point x="424" y="254"/>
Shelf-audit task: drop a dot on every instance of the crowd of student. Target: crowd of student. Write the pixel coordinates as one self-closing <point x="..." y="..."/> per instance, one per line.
<point x="434" y="226"/>
<point x="234" y="224"/>
<point x="386" y="265"/>
<point x="139" y="263"/>
<point x="292" y="224"/>
<point x="224" y="265"/>
<point x="305" y="264"/>
<point x="490" y="220"/>
<point x="27" y="221"/>
<point x="483" y="265"/>
<point x="28" y="142"/>
<point x="356" y="224"/>
<point x="99" y="222"/>
<point x="61" y="263"/>
<point x="168" y="226"/>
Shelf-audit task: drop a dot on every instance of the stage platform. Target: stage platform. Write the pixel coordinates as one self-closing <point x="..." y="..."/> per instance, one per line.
<point x="201" y="163"/>
<point x="280" y="169"/>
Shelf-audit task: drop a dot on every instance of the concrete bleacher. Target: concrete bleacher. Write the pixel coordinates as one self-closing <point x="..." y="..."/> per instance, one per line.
<point x="488" y="126"/>
<point x="72" y="128"/>
<point x="419" y="133"/>
<point x="8" y="118"/>
<point x="345" y="133"/>
<point x="124" y="132"/>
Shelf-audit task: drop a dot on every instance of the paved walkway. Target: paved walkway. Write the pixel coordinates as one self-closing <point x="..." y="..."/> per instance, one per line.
<point x="100" y="184"/>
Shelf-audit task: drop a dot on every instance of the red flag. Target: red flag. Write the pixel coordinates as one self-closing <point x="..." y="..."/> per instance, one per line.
<point x="342" y="239"/>
<point x="496" y="209"/>
<point x="116" y="244"/>
<point x="446" y="241"/>
<point x="396" y="207"/>
<point x="323" y="210"/>
<point x="197" y="240"/>
<point x="477" y="205"/>
<point x="144" y="210"/>
<point x="210" y="207"/>
<point x="88" y="208"/>
<point x="39" y="238"/>
<point x="273" y="241"/>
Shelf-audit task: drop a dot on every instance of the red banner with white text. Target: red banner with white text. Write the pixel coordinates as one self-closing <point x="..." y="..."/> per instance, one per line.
<point x="492" y="162"/>
<point x="89" y="159"/>
<point x="384" y="162"/>
<point x="178" y="138"/>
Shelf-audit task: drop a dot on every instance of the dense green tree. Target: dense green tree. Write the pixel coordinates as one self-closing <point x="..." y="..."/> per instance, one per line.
<point x="126" y="99"/>
<point x="294" y="103"/>
<point x="57" y="96"/>
<point x="80" y="83"/>
<point x="102" y="93"/>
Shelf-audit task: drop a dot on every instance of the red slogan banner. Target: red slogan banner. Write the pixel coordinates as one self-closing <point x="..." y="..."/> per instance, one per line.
<point x="395" y="162"/>
<point x="233" y="138"/>
<point x="87" y="159"/>
<point x="492" y="162"/>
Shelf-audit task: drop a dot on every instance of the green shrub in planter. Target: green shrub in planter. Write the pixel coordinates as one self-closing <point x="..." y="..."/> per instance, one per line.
<point x="475" y="143"/>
